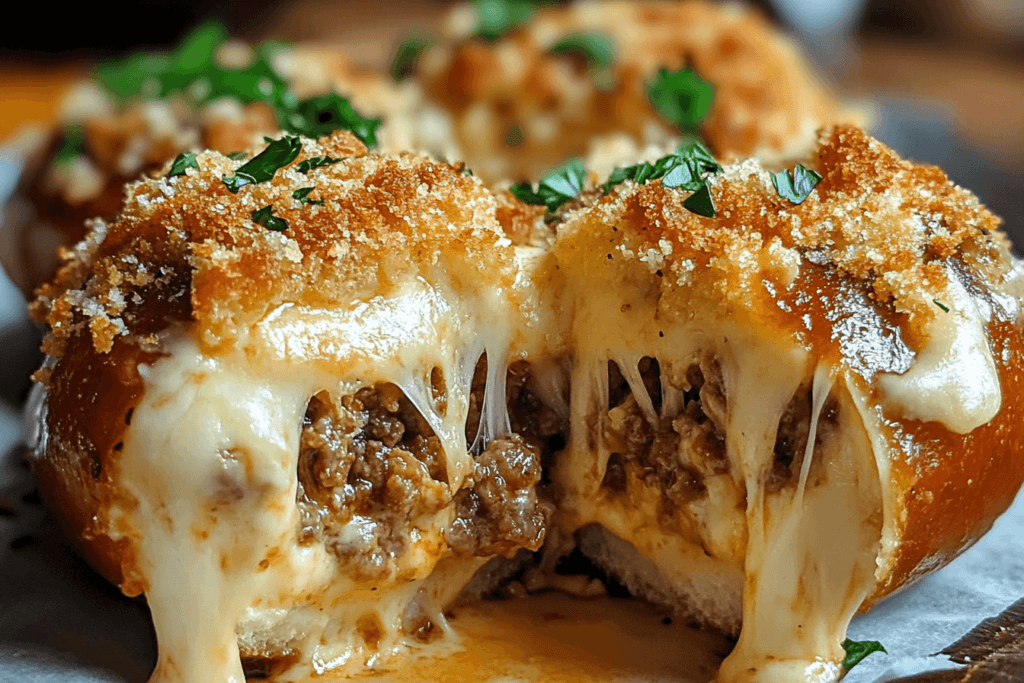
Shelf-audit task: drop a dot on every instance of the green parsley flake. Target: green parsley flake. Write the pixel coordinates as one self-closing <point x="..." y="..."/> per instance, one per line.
<point x="181" y="163"/>
<point x="597" y="49"/>
<point x="237" y="156"/>
<point x="192" y="70"/>
<point x="944" y="307"/>
<point x="795" y="186"/>
<point x="72" y="147"/>
<point x="324" y="114"/>
<point x="302" y="194"/>
<point x="262" y="167"/>
<point x="307" y="165"/>
<point x="408" y="54"/>
<point x="555" y="188"/>
<point x="268" y="220"/>
<point x="681" y="97"/>
<point x="700" y="202"/>
<point x="857" y="651"/>
<point x="685" y="169"/>
<point x="496" y="18"/>
<point x="514" y="136"/>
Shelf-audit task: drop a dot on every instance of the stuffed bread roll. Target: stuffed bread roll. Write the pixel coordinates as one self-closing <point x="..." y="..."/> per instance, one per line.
<point x="792" y="402"/>
<point x="254" y="409"/>
<point x="522" y="90"/>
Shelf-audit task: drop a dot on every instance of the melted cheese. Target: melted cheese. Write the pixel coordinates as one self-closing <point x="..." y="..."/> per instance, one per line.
<point x="804" y="555"/>
<point x="953" y="380"/>
<point x="210" y="463"/>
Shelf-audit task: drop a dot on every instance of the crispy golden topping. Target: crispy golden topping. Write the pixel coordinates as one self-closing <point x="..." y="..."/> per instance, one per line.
<point x="874" y="218"/>
<point x="186" y="247"/>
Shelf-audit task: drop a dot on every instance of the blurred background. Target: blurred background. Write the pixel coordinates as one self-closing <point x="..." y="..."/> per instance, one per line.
<point x="962" y="60"/>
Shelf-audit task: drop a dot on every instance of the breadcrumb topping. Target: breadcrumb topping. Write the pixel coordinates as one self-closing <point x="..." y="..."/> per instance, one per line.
<point x="886" y="223"/>
<point x="185" y="247"/>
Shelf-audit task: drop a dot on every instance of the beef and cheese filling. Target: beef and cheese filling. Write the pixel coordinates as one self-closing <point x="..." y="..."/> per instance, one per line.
<point x="299" y="400"/>
<point x="724" y="457"/>
<point x="317" y="452"/>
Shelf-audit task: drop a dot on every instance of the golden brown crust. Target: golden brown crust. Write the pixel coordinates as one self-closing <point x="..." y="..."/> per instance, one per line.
<point x="876" y="219"/>
<point x="190" y="237"/>
<point x="952" y="487"/>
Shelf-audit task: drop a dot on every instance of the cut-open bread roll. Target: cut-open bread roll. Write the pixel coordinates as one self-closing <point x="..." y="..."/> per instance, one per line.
<point x="266" y="432"/>
<point x="782" y="414"/>
<point x="299" y="420"/>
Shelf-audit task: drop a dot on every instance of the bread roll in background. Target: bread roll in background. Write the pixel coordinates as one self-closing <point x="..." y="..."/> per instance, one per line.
<point x="511" y="109"/>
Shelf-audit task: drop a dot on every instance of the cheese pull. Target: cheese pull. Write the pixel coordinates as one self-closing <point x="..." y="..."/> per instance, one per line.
<point x="783" y="412"/>
<point x="301" y="439"/>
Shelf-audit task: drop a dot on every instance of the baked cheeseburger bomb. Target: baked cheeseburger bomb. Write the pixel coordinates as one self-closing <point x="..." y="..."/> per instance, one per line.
<point x="787" y="403"/>
<point x="517" y="88"/>
<point x="298" y="400"/>
<point x="254" y="408"/>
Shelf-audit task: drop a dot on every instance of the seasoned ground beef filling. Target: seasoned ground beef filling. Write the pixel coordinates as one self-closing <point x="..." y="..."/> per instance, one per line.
<point x="655" y="456"/>
<point x="371" y="457"/>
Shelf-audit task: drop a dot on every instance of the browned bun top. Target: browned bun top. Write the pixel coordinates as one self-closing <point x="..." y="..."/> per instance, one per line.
<point x="189" y="238"/>
<point x="766" y="99"/>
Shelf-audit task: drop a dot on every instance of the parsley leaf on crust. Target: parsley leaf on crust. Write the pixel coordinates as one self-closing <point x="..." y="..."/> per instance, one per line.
<point x="555" y="188"/>
<point x="262" y="167"/>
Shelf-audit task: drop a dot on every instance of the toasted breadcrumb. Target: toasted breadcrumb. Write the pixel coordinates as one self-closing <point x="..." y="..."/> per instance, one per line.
<point x="188" y="239"/>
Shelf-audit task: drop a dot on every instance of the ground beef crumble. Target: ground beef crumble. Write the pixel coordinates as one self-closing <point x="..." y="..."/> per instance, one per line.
<point x="371" y="460"/>
<point x="653" y="454"/>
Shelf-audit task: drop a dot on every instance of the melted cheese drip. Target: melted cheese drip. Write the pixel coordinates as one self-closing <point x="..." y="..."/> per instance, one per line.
<point x="953" y="380"/>
<point x="210" y="460"/>
<point x="803" y="558"/>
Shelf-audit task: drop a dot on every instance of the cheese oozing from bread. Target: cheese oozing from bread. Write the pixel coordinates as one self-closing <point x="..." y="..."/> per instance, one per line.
<point x="301" y="445"/>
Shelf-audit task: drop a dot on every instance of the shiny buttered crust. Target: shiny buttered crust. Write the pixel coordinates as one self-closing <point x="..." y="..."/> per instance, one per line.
<point x="885" y="273"/>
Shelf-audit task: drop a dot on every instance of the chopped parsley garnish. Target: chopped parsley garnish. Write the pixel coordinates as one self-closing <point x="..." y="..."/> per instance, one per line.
<point x="684" y="170"/>
<point x="700" y="202"/>
<point x="514" y="136"/>
<point x="324" y="114"/>
<point x="944" y="307"/>
<point x="496" y="18"/>
<point x="191" y="69"/>
<point x="268" y="220"/>
<point x="597" y="49"/>
<point x="262" y="167"/>
<point x="682" y="97"/>
<point x="237" y="156"/>
<point x="408" y="54"/>
<point x="307" y="165"/>
<point x="856" y="651"/>
<point x="555" y="188"/>
<point x="465" y="170"/>
<point x="181" y="163"/>
<point x="302" y="194"/>
<point x="796" y="186"/>
<point x="72" y="147"/>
